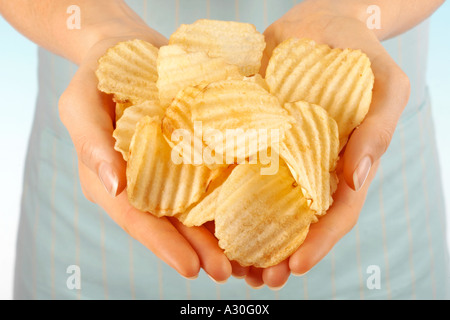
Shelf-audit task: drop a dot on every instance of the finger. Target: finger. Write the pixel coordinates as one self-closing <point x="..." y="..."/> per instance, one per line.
<point x="212" y="258"/>
<point x="371" y="139"/>
<point x="87" y="115"/>
<point x="254" y="278"/>
<point x="275" y="277"/>
<point x="390" y="96"/>
<point x="239" y="271"/>
<point x="339" y="220"/>
<point x="157" y="234"/>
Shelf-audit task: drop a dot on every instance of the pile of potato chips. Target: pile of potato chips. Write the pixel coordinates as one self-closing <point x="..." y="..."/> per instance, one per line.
<point x="206" y="80"/>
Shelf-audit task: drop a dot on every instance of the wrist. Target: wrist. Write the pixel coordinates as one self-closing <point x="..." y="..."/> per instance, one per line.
<point x="118" y="23"/>
<point x="314" y="18"/>
<point x="97" y="39"/>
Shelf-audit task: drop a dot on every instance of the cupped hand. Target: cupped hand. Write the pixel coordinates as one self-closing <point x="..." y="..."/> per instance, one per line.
<point x="326" y="23"/>
<point x="89" y="117"/>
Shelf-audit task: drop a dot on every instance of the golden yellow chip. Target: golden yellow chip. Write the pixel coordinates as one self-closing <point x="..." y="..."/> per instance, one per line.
<point x="178" y="69"/>
<point x="339" y="80"/>
<point x="258" y="79"/>
<point x="120" y="109"/>
<point x="237" y="42"/>
<point x="128" y="70"/>
<point x="126" y="125"/>
<point x="196" y="123"/>
<point x="179" y="129"/>
<point x="154" y="182"/>
<point x="239" y="118"/>
<point x="204" y="210"/>
<point x="260" y="220"/>
<point x="311" y="150"/>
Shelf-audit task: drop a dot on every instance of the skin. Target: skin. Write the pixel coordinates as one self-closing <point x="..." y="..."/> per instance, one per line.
<point x="342" y="24"/>
<point x="83" y="109"/>
<point x="88" y="116"/>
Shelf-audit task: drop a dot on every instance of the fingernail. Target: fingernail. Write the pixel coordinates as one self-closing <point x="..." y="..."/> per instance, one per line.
<point x="191" y="278"/>
<point x="276" y="288"/>
<point x="299" y="274"/>
<point x="108" y="178"/>
<point x="256" y="287"/>
<point x="218" y="282"/>
<point x="361" y="172"/>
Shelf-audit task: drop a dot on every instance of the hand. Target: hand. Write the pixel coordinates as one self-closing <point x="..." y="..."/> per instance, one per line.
<point x="336" y="23"/>
<point x="88" y="115"/>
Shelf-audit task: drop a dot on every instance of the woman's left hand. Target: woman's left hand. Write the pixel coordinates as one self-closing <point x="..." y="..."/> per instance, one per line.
<point x="322" y="22"/>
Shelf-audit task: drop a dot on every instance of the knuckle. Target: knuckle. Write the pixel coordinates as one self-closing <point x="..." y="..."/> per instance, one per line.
<point x="384" y="139"/>
<point x="83" y="175"/>
<point x="85" y="191"/>
<point x="87" y="195"/>
<point x="63" y="107"/>
<point x="128" y="222"/>
<point x="403" y="85"/>
<point x="87" y="153"/>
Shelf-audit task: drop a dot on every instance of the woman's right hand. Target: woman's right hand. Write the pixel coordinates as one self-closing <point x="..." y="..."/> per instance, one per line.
<point x="88" y="116"/>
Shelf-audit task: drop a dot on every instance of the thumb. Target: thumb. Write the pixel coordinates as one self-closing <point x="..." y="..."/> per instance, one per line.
<point x="87" y="115"/>
<point x="371" y="139"/>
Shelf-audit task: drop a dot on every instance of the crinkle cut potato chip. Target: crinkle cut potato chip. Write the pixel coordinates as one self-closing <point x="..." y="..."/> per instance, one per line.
<point x="237" y="42"/>
<point x="311" y="150"/>
<point x="128" y="71"/>
<point x="339" y="80"/>
<point x="178" y="128"/>
<point x="240" y="110"/>
<point x="260" y="220"/>
<point x="195" y="122"/>
<point x="154" y="182"/>
<point x="178" y="69"/>
<point x="120" y="109"/>
<point x="258" y="79"/>
<point x="126" y="125"/>
<point x="204" y="210"/>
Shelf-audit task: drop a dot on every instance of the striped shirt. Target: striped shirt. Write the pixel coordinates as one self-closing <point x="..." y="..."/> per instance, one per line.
<point x="397" y="250"/>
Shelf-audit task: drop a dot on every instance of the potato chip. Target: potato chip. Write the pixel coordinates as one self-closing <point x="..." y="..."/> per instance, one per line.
<point x="258" y="79"/>
<point x="235" y="115"/>
<point x="196" y="122"/>
<point x="128" y="70"/>
<point x="120" y="109"/>
<point x="260" y="220"/>
<point x="178" y="69"/>
<point x="311" y="150"/>
<point x="178" y="128"/>
<point x="154" y="182"/>
<point x="204" y="210"/>
<point x="237" y="42"/>
<point x="126" y="125"/>
<point x="339" y="80"/>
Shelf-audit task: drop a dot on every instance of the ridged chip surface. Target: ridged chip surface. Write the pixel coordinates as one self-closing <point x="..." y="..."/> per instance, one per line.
<point x="154" y="182"/>
<point x="311" y="150"/>
<point x="178" y="69"/>
<point x="128" y="70"/>
<point x="339" y="80"/>
<point x="126" y="125"/>
<point x="261" y="220"/>
<point x="237" y="42"/>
